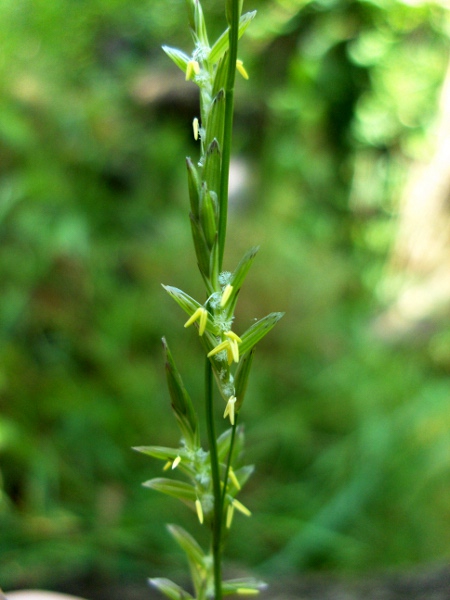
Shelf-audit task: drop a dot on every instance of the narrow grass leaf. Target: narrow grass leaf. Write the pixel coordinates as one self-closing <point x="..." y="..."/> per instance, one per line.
<point x="193" y="186"/>
<point x="215" y="123"/>
<point x="257" y="331"/>
<point x="211" y="170"/>
<point x="220" y="78"/>
<point x="181" y="401"/>
<point x="169" y="588"/>
<point x="222" y="43"/>
<point x="188" y="544"/>
<point x="176" y="489"/>
<point x="241" y="377"/>
<point x="244" y="585"/>
<point x="179" y="58"/>
<point x="160" y="452"/>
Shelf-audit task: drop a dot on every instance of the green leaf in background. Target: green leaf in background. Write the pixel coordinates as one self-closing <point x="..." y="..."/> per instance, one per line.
<point x="169" y="588"/>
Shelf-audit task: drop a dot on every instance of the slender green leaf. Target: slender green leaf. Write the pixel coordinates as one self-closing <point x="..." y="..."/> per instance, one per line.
<point x="243" y="267"/>
<point x="222" y="44"/>
<point x="176" y="489"/>
<point x="188" y="544"/>
<point x="244" y="585"/>
<point x="241" y="377"/>
<point x="220" y="77"/>
<point x="169" y="588"/>
<point x="214" y="128"/>
<point x="160" y="452"/>
<point x="208" y="215"/>
<point x="244" y="473"/>
<point x="201" y="247"/>
<point x="181" y="401"/>
<point x="194" y="187"/>
<point x="223" y="444"/>
<point x="257" y="331"/>
<point x="179" y="58"/>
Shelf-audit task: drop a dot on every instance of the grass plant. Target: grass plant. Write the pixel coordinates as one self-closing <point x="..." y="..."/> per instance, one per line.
<point x="212" y="477"/>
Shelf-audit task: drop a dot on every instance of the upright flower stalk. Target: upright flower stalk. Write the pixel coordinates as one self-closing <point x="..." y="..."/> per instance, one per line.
<point x="211" y="479"/>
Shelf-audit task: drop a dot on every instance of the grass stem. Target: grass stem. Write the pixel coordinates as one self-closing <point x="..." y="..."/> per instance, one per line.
<point x="217" y="520"/>
<point x="228" y="127"/>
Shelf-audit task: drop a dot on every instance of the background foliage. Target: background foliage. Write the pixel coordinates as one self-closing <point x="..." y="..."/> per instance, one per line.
<point x="349" y="431"/>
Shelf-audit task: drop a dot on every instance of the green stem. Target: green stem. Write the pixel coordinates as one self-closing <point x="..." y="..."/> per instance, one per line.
<point x="228" y="128"/>
<point x="230" y="454"/>
<point x="217" y="520"/>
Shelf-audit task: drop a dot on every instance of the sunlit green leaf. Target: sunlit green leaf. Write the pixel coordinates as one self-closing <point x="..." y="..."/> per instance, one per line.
<point x="243" y="586"/>
<point x="159" y="452"/>
<point x="188" y="544"/>
<point x="179" y="58"/>
<point x="257" y="331"/>
<point x="169" y="588"/>
<point x="176" y="489"/>
<point x="222" y="44"/>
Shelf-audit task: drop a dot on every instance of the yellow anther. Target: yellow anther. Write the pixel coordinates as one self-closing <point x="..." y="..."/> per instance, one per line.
<point x="167" y="466"/>
<point x="230" y="345"/>
<point x="193" y="68"/>
<point x="176" y="462"/>
<point x="230" y="513"/>
<point x="229" y="410"/>
<point x="247" y="591"/>
<point x="233" y="336"/>
<point x="240" y="67"/>
<point x="199" y="509"/>
<point x="241" y="508"/>
<point x="226" y="295"/>
<point x="195" y="126"/>
<point x="202" y="314"/>
<point x="234" y="480"/>
<point x="234" y="348"/>
<point x="222" y="346"/>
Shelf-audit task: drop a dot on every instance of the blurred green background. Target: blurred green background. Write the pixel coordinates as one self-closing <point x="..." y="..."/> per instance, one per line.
<point x="347" y="419"/>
